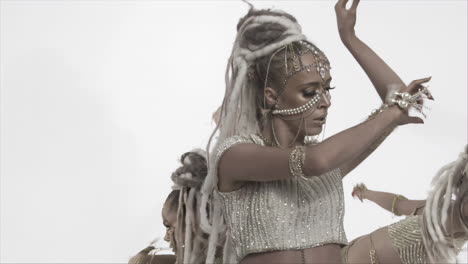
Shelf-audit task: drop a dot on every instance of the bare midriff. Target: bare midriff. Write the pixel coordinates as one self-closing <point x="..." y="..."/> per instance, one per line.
<point x="330" y="253"/>
<point x="359" y="251"/>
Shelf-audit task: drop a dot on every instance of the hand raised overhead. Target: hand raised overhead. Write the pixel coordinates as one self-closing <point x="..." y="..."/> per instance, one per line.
<point x="346" y="18"/>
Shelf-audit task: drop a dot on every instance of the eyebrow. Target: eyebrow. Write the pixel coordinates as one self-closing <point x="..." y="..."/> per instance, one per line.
<point x="313" y="83"/>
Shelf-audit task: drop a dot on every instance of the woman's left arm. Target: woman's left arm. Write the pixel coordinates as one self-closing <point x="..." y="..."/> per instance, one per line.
<point x="379" y="73"/>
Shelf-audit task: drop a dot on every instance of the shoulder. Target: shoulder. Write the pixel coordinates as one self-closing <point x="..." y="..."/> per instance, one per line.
<point x="236" y="140"/>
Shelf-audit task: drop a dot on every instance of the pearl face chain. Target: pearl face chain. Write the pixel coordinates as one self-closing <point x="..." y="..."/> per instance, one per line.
<point x="299" y="110"/>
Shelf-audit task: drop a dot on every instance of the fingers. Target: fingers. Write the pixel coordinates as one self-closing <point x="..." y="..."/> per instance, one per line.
<point x="416" y="84"/>
<point x="341" y="4"/>
<point x="355" y="5"/>
<point x="429" y="95"/>
<point x="415" y="120"/>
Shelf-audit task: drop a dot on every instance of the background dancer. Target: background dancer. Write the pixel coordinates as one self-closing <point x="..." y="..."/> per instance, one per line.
<point x="180" y="215"/>
<point x="434" y="230"/>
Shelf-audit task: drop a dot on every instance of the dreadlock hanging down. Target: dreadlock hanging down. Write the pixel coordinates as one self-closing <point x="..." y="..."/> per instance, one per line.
<point x="450" y="182"/>
<point x="260" y="34"/>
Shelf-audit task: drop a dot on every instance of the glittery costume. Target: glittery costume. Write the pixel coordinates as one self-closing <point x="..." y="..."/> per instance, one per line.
<point x="407" y="240"/>
<point x="286" y="214"/>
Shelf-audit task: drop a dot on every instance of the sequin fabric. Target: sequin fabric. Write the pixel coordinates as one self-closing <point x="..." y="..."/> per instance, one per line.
<point x="407" y="240"/>
<point x="287" y="214"/>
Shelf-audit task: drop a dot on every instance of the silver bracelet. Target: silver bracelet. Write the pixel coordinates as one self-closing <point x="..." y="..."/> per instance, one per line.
<point x="296" y="162"/>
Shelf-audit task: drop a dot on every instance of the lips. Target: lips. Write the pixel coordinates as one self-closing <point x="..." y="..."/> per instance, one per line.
<point x="322" y="118"/>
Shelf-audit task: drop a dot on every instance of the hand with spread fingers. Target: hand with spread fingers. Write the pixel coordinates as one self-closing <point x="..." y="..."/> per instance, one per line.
<point x="346" y="19"/>
<point x="408" y="97"/>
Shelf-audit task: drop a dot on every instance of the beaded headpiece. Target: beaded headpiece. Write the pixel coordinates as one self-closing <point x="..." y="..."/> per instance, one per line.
<point x="321" y="65"/>
<point x="293" y="65"/>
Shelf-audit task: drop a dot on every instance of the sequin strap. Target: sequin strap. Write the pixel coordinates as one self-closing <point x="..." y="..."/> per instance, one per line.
<point x="229" y="143"/>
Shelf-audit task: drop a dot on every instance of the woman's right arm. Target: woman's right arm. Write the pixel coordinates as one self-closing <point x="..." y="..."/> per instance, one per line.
<point x="250" y="162"/>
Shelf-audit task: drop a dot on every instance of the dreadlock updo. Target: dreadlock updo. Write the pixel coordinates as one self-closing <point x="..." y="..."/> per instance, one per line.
<point x="191" y="174"/>
<point x="193" y="170"/>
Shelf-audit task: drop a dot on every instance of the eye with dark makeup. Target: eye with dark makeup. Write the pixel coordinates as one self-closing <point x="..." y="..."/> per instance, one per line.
<point x="328" y="89"/>
<point x="312" y="93"/>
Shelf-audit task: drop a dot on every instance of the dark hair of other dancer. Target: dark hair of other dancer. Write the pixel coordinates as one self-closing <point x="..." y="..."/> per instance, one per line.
<point x="180" y="215"/>
<point x="433" y="231"/>
<point x="275" y="192"/>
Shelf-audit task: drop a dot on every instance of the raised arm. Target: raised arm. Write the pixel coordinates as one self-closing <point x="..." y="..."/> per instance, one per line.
<point x="397" y="204"/>
<point x="379" y="73"/>
<point x="250" y="162"/>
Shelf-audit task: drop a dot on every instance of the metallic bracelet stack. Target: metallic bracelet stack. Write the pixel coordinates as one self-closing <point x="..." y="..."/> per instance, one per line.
<point x="403" y="100"/>
<point x="394" y="204"/>
<point x="296" y="162"/>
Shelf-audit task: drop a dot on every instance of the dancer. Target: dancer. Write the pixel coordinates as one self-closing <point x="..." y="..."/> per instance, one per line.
<point x="275" y="194"/>
<point x="434" y="230"/>
<point x="180" y="215"/>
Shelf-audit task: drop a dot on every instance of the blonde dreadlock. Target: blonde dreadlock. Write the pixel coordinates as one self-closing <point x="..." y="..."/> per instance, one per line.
<point x="451" y="180"/>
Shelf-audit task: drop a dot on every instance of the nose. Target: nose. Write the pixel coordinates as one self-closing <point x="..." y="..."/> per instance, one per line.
<point x="325" y="100"/>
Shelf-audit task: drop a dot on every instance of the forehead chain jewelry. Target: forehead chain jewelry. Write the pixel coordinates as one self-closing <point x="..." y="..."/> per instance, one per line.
<point x="321" y="65"/>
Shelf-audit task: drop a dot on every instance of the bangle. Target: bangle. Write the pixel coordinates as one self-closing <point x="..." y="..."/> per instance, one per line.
<point x="296" y="161"/>
<point x="394" y="203"/>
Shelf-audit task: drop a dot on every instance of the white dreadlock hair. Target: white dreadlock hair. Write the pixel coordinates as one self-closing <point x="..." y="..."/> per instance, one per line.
<point x="238" y="110"/>
<point x="451" y="180"/>
<point x="188" y="180"/>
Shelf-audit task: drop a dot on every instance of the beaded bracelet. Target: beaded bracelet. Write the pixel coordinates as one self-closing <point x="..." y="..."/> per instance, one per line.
<point x="403" y="100"/>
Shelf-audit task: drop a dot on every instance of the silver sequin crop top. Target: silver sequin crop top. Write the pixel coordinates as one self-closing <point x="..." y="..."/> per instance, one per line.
<point x="287" y="214"/>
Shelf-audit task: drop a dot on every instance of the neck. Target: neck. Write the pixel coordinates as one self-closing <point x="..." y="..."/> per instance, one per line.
<point x="285" y="131"/>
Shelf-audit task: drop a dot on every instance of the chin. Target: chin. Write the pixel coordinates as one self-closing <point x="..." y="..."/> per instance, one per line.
<point x="314" y="131"/>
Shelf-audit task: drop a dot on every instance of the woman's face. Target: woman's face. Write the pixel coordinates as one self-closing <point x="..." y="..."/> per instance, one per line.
<point x="299" y="90"/>
<point x="169" y="216"/>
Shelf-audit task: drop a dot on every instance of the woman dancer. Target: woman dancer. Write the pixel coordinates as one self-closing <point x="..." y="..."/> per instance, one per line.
<point x="180" y="215"/>
<point x="434" y="231"/>
<point x="274" y="196"/>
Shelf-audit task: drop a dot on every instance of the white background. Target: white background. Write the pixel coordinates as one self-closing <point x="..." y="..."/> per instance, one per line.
<point x="100" y="98"/>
